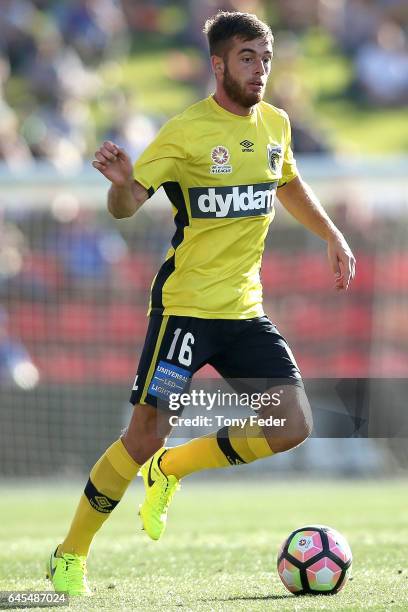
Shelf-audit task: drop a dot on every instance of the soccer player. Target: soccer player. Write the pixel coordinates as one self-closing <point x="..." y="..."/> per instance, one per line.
<point x="220" y="162"/>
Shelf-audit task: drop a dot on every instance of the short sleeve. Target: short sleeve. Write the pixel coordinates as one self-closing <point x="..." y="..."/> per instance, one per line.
<point x="289" y="170"/>
<point x="159" y="163"/>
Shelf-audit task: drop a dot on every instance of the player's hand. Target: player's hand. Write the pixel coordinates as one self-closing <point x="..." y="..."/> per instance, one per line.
<point x="114" y="163"/>
<point x="342" y="261"/>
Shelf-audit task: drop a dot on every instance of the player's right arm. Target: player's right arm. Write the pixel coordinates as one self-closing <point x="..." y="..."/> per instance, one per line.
<point x="125" y="195"/>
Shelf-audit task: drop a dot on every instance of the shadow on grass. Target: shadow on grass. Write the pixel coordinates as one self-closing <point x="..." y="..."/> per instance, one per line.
<point x="247" y="598"/>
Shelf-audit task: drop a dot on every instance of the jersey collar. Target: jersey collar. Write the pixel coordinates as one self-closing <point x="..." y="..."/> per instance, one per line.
<point x="226" y="114"/>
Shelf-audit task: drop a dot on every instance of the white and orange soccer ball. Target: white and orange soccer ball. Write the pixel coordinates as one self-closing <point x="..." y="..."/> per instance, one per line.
<point x="314" y="560"/>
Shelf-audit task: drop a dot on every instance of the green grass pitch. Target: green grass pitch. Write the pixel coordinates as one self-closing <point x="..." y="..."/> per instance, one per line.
<point x="219" y="551"/>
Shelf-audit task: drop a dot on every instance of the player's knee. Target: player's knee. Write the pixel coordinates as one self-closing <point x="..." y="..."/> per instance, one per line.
<point x="300" y="435"/>
<point x="144" y="435"/>
<point x="287" y="442"/>
<point x="141" y="449"/>
<point x="295" y="429"/>
<point x="303" y="426"/>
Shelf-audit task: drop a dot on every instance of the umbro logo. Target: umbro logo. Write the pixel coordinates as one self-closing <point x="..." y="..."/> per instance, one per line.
<point x="102" y="504"/>
<point x="102" y="501"/>
<point x="99" y="501"/>
<point x="247" y="146"/>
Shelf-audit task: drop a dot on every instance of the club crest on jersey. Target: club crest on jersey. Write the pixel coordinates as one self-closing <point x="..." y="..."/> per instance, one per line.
<point x="274" y="154"/>
<point x="220" y="157"/>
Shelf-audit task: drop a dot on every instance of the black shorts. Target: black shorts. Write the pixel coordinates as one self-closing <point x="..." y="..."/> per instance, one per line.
<point x="245" y="352"/>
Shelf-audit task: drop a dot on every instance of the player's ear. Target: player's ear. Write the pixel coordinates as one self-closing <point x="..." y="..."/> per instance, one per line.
<point x="217" y="64"/>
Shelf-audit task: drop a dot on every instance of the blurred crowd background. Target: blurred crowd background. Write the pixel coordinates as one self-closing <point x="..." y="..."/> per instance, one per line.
<point x="74" y="283"/>
<point x="75" y="73"/>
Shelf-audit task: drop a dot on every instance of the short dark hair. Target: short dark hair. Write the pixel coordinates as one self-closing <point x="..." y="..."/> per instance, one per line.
<point x="223" y="26"/>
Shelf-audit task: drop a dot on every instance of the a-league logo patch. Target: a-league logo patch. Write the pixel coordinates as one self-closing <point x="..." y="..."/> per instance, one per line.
<point x="220" y="157"/>
<point x="274" y="154"/>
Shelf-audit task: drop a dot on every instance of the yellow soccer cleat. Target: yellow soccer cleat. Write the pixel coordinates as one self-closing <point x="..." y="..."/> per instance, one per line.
<point x="68" y="574"/>
<point x="159" y="493"/>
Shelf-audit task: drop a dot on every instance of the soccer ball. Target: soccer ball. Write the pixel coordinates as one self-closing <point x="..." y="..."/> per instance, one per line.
<point x="314" y="560"/>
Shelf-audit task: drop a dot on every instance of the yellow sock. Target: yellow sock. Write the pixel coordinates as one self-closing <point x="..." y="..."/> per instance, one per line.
<point x="197" y="454"/>
<point x="228" y="446"/>
<point x="108" y="481"/>
<point x="249" y="442"/>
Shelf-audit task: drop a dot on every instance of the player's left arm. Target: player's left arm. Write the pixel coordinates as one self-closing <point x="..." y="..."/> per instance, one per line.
<point x="302" y="203"/>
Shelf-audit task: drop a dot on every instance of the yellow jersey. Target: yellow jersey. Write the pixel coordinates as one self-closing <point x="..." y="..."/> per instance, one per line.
<point x="220" y="172"/>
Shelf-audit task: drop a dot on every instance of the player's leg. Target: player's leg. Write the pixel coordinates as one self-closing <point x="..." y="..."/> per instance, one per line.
<point x="112" y="474"/>
<point x="146" y="433"/>
<point x="186" y="345"/>
<point x="107" y="483"/>
<point x="287" y="419"/>
<point x="108" y="480"/>
<point x="110" y="477"/>
<point x="261" y="353"/>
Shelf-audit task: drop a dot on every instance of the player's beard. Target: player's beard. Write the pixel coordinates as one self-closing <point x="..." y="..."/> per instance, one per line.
<point x="237" y="93"/>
